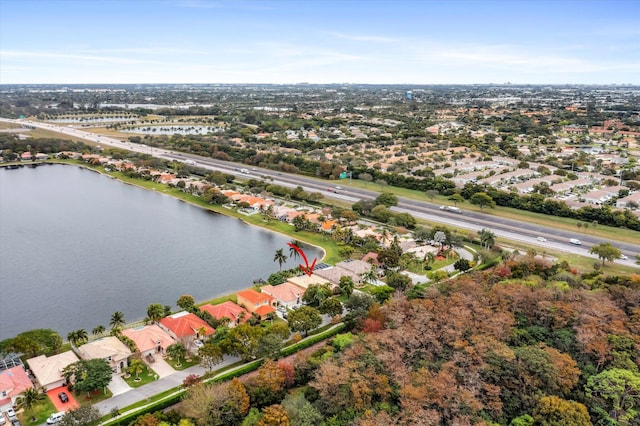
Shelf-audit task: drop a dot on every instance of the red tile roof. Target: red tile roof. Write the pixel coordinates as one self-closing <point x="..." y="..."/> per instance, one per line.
<point x="185" y="324"/>
<point x="264" y="310"/>
<point x="254" y="297"/>
<point x="13" y="381"/>
<point x="227" y="309"/>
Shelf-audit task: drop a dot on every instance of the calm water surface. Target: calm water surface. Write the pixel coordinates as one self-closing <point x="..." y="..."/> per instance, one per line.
<point x="76" y="246"/>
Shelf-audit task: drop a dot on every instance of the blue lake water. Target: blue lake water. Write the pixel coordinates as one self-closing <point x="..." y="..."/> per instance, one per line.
<point x="76" y="246"/>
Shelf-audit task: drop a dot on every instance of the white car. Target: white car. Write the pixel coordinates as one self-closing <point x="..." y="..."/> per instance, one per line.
<point x="11" y="414"/>
<point x="543" y="239"/>
<point x="624" y="257"/>
<point x="198" y="344"/>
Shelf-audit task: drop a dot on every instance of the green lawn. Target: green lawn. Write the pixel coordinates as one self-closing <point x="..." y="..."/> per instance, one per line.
<point x="146" y="376"/>
<point x="184" y="364"/>
<point x="40" y="412"/>
<point x="89" y="399"/>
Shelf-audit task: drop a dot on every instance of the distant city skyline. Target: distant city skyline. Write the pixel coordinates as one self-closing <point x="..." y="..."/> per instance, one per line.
<point x="319" y="42"/>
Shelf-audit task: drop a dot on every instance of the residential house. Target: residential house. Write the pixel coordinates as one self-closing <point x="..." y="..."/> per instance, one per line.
<point x="149" y="339"/>
<point x="598" y="197"/>
<point x="26" y="156"/>
<point x="304" y="281"/>
<point x="629" y="201"/>
<point x="186" y="327"/>
<point x="13" y="382"/>
<point x="235" y="313"/>
<point x="287" y="294"/>
<point x="257" y="303"/>
<point x="48" y="371"/>
<point x="111" y="349"/>
<point x="334" y="274"/>
<point x="42" y="156"/>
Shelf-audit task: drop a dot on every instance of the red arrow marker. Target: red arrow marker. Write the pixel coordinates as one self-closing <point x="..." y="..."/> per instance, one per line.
<point x="306" y="269"/>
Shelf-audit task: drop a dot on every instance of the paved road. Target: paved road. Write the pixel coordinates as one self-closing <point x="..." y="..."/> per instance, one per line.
<point x="557" y="239"/>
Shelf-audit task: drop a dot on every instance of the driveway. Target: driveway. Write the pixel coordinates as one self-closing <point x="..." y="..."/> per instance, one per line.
<point x="118" y="385"/>
<point x="160" y="366"/>
<point x="62" y="406"/>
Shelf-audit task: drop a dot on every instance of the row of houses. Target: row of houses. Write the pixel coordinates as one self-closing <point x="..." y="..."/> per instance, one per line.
<point x="184" y="327"/>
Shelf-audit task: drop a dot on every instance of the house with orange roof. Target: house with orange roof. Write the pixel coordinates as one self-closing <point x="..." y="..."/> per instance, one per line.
<point x="166" y="177"/>
<point x="48" y="371"/>
<point x="287" y="294"/>
<point x="13" y="382"/>
<point x="186" y="327"/>
<point x="26" y="156"/>
<point x="235" y="313"/>
<point x="149" y="339"/>
<point x="255" y="202"/>
<point x="257" y="303"/>
<point x="327" y="225"/>
<point x="109" y="348"/>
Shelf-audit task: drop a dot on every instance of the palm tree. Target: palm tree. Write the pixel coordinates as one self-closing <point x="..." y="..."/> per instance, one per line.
<point x="117" y="321"/>
<point x="428" y="258"/>
<point x="177" y="351"/>
<point x="202" y="332"/>
<point x="280" y="257"/>
<point x="98" y="330"/>
<point x="29" y="399"/>
<point x="293" y="253"/>
<point x="136" y="366"/>
<point x="155" y="312"/>
<point x="487" y="238"/>
<point x="78" y="337"/>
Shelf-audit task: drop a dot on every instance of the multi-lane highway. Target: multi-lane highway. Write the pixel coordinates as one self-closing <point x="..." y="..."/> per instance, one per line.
<point x="555" y="239"/>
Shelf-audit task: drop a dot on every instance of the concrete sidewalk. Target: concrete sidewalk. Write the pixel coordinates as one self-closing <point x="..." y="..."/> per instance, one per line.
<point x="151" y="389"/>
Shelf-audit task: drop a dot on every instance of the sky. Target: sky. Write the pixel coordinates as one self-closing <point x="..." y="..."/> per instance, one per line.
<point x="320" y="41"/>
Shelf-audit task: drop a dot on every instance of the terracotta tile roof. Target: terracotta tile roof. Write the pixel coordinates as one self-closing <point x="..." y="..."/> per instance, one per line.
<point x="185" y="324"/>
<point x="327" y="225"/>
<point x="264" y="310"/>
<point x="149" y="337"/>
<point x="13" y="381"/>
<point x="255" y="297"/>
<point x="227" y="309"/>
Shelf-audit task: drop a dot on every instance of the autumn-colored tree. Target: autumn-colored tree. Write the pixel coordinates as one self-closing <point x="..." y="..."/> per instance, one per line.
<point x="147" y="420"/>
<point x="371" y="326"/>
<point x="238" y="404"/>
<point x="218" y="404"/>
<point x="289" y="372"/>
<point x="269" y="384"/>
<point x="274" y="415"/>
<point x="190" y="380"/>
<point x="555" y="411"/>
